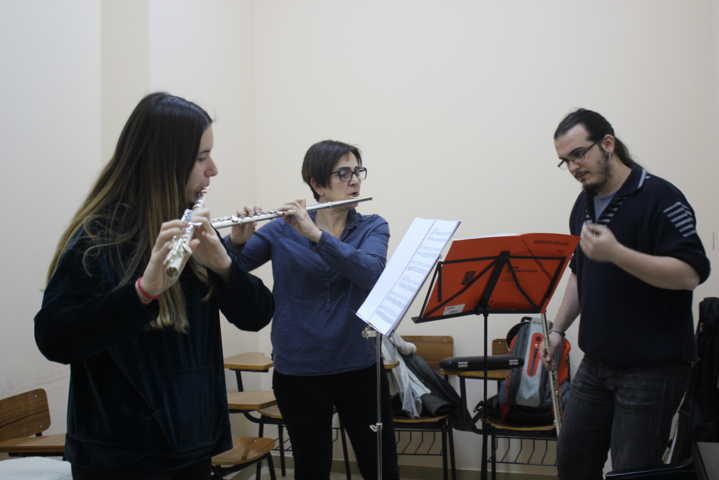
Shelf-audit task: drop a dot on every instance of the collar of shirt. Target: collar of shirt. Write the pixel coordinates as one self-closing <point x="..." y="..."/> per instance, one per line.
<point x="633" y="183"/>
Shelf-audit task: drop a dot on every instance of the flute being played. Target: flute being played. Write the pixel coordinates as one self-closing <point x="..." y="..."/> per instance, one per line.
<point x="181" y="245"/>
<point x="224" y="222"/>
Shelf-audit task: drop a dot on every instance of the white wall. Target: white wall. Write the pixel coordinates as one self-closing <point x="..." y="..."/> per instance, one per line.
<point x="203" y="51"/>
<point x="74" y="71"/>
<point x="453" y="104"/>
<point x="125" y="65"/>
<point x="50" y="136"/>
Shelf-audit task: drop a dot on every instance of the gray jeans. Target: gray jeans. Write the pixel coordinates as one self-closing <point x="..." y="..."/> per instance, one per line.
<point x="628" y="410"/>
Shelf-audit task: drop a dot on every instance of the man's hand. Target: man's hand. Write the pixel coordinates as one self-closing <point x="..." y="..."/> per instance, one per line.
<point x="550" y="346"/>
<point x="599" y="243"/>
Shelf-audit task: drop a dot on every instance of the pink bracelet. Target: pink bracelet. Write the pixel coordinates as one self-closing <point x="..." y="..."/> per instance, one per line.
<point x="138" y="285"/>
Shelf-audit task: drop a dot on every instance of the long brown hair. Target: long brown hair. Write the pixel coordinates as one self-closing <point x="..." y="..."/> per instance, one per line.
<point x="141" y="186"/>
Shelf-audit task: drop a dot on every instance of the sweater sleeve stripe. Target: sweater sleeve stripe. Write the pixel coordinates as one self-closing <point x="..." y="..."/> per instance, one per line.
<point x="680" y="215"/>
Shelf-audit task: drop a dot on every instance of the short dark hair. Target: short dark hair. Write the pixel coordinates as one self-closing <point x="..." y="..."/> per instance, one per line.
<point x="597" y="126"/>
<point x="321" y="158"/>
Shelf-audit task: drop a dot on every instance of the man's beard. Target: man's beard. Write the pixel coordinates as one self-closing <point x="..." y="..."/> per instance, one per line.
<point x="603" y="171"/>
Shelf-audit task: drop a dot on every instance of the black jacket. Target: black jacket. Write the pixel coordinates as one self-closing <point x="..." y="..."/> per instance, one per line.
<point x="142" y="399"/>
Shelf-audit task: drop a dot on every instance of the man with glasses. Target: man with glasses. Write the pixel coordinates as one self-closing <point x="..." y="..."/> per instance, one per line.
<point x="632" y="277"/>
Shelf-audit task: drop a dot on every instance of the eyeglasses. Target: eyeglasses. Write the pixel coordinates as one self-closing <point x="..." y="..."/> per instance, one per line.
<point x="576" y="156"/>
<point x="344" y="174"/>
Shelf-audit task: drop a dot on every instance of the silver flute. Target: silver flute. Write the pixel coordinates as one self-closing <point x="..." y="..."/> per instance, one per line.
<point x="181" y="244"/>
<point x="224" y="222"/>
<point x="553" y="385"/>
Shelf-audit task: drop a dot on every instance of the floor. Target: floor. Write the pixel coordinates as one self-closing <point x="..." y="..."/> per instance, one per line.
<point x="425" y="476"/>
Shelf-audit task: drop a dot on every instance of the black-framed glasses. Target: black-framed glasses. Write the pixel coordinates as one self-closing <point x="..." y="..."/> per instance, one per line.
<point x="345" y="173"/>
<point x="576" y="156"/>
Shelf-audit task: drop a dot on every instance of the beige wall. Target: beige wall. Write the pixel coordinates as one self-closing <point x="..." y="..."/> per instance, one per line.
<point x="125" y="64"/>
<point x="50" y="136"/>
<point x="203" y="51"/>
<point x="453" y="104"/>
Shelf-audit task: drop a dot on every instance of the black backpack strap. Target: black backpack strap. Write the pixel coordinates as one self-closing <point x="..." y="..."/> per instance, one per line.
<point x="513" y="331"/>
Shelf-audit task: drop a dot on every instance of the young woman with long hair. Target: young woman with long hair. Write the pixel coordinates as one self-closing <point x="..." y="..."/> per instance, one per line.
<point x="147" y="389"/>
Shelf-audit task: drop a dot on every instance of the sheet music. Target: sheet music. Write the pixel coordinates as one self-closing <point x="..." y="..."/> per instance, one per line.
<point x="406" y="272"/>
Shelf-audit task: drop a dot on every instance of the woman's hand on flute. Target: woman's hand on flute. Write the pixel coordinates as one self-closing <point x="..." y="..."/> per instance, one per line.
<point x="298" y="218"/>
<point x="242" y="232"/>
<point x="155" y="279"/>
<point x="209" y="252"/>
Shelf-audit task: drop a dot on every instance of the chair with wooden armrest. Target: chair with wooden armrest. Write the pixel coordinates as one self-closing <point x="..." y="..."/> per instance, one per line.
<point x="498" y="429"/>
<point x="263" y="403"/>
<point x="524" y="433"/>
<point x="245" y="452"/>
<point x="23" y="419"/>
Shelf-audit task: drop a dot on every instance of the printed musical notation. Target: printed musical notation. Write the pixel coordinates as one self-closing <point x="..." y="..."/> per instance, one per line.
<point x="406" y="272"/>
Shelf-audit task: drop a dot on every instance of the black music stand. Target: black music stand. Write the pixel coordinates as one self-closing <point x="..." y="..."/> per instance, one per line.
<point x="497" y="276"/>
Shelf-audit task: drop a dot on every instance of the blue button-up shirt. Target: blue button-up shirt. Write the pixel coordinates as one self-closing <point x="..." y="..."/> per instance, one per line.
<point x="318" y="287"/>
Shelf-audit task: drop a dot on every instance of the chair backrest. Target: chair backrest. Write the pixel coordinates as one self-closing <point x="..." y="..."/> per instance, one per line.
<point x="499" y="346"/>
<point x="24" y="415"/>
<point x="433" y="348"/>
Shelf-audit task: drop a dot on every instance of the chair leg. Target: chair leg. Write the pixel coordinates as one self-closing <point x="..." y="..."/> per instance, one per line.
<point x="451" y="453"/>
<point x="445" y="474"/>
<point x="281" y="431"/>
<point x="493" y="441"/>
<point x="213" y="474"/>
<point x="345" y="454"/>
<point x="271" y="466"/>
<point x="260" y="432"/>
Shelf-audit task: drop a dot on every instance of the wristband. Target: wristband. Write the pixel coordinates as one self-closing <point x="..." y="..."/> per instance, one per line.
<point x="138" y="286"/>
<point x="559" y="332"/>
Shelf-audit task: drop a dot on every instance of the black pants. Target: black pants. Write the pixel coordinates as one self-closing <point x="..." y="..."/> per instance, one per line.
<point x="198" y="471"/>
<point x="307" y="402"/>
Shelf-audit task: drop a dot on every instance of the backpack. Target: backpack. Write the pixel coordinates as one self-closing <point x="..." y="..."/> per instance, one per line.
<point x="525" y="396"/>
<point x="698" y="415"/>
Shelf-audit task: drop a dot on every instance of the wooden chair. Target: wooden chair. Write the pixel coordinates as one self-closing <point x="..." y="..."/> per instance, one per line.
<point x="432" y="349"/>
<point x="264" y="403"/>
<point x="23" y="419"/>
<point x="508" y="431"/>
<point x="246" y="451"/>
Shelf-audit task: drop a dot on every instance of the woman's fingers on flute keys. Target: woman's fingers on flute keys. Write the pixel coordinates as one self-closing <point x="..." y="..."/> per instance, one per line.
<point x="242" y="232"/>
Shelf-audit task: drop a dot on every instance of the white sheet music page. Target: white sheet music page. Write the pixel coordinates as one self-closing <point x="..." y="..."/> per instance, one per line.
<point x="405" y="273"/>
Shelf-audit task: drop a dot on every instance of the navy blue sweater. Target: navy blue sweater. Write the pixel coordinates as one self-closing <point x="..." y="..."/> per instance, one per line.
<point x="142" y="399"/>
<point x="626" y="322"/>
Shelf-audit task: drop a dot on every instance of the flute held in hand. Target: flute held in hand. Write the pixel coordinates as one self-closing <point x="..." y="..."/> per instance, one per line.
<point x="181" y="250"/>
<point x="224" y="222"/>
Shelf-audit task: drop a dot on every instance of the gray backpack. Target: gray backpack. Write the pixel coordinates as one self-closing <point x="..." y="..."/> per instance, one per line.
<point x="525" y="396"/>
